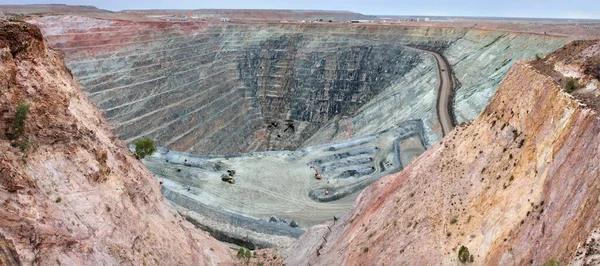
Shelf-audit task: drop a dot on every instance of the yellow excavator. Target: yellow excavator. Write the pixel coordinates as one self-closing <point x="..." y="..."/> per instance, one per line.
<point x="317" y="175"/>
<point x="226" y="178"/>
<point x="229" y="177"/>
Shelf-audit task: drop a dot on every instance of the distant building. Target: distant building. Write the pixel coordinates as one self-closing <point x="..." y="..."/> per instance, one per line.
<point x="225" y="20"/>
<point x="426" y="19"/>
<point x="360" y="21"/>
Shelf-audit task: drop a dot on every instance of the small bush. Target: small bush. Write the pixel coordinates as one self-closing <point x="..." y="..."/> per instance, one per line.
<point x="521" y="143"/>
<point x="244" y="255"/>
<point x="15" y="19"/>
<point x="538" y="57"/>
<point x="453" y="220"/>
<point x="24" y="146"/>
<point x="20" y="116"/>
<point x="240" y="253"/>
<point x="571" y="85"/>
<point x="144" y="147"/>
<point x="58" y="200"/>
<point x="463" y="254"/>
<point x="551" y="262"/>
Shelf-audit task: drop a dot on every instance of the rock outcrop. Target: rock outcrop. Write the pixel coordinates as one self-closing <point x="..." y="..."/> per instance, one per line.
<point x="517" y="186"/>
<point x="70" y="192"/>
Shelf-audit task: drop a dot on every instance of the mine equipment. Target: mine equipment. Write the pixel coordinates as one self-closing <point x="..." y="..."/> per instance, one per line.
<point x="317" y="175"/>
<point x="226" y="178"/>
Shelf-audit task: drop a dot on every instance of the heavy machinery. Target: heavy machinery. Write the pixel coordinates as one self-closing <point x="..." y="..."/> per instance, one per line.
<point x="226" y="178"/>
<point x="317" y="175"/>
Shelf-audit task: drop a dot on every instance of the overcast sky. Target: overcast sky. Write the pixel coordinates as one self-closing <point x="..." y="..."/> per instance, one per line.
<point x="500" y="8"/>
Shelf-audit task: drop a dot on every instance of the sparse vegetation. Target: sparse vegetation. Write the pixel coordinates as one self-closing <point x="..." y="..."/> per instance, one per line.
<point x="521" y="143"/>
<point x="15" y="19"/>
<point x="19" y="122"/>
<point x="571" y="85"/>
<point x="144" y="147"/>
<point x="58" y="200"/>
<point x="551" y="262"/>
<point x="24" y="146"/>
<point x="453" y="220"/>
<point x="538" y="57"/>
<point x="244" y="255"/>
<point x="463" y="254"/>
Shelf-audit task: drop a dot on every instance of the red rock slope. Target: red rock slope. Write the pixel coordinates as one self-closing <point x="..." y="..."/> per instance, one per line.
<point x="518" y="186"/>
<point x="76" y="195"/>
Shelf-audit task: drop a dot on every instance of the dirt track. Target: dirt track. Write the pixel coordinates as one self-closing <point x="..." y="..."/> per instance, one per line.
<point x="445" y="92"/>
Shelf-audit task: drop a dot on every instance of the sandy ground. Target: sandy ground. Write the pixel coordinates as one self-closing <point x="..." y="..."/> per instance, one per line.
<point x="279" y="183"/>
<point x="410" y="149"/>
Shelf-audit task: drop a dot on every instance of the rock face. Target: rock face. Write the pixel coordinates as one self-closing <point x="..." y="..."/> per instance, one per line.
<point x="230" y="88"/>
<point x="517" y="186"/>
<point x="70" y="192"/>
<point x="8" y="254"/>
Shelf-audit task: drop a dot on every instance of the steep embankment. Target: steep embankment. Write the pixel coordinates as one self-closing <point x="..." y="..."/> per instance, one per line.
<point x="70" y="192"/>
<point x="517" y="186"/>
<point x="229" y="88"/>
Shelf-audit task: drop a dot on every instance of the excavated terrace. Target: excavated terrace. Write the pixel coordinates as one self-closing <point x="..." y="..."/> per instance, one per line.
<point x="271" y="100"/>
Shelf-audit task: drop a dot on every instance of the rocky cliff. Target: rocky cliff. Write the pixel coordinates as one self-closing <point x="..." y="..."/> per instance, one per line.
<point x="70" y="192"/>
<point x="230" y="88"/>
<point x="517" y="186"/>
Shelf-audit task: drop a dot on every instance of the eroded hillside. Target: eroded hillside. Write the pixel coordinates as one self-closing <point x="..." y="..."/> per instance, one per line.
<point x="517" y="186"/>
<point x="70" y="192"/>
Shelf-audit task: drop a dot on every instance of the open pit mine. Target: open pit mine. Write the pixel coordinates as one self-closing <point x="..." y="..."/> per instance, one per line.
<point x="326" y="143"/>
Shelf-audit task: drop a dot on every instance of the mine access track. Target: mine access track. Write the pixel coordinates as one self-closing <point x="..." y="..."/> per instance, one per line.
<point x="444" y="93"/>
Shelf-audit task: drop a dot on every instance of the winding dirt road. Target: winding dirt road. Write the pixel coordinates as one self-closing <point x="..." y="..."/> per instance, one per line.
<point x="444" y="94"/>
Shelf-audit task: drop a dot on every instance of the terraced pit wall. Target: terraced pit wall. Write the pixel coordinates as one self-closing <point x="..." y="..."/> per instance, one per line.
<point x="228" y="88"/>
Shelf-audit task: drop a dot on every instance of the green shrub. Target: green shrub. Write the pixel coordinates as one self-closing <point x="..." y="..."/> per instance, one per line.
<point x="240" y="253"/>
<point x="24" y="146"/>
<point x="571" y="85"/>
<point x="244" y="255"/>
<point x="463" y="254"/>
<point x="20" y="116"/>
<point x="454" y="220"/>
<point x="15" y="19"/>
<point x="144" y="147"/>
<point x="58" y="200"/>
<point x="551" y="262"/>
<point x="538" y="57"/>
